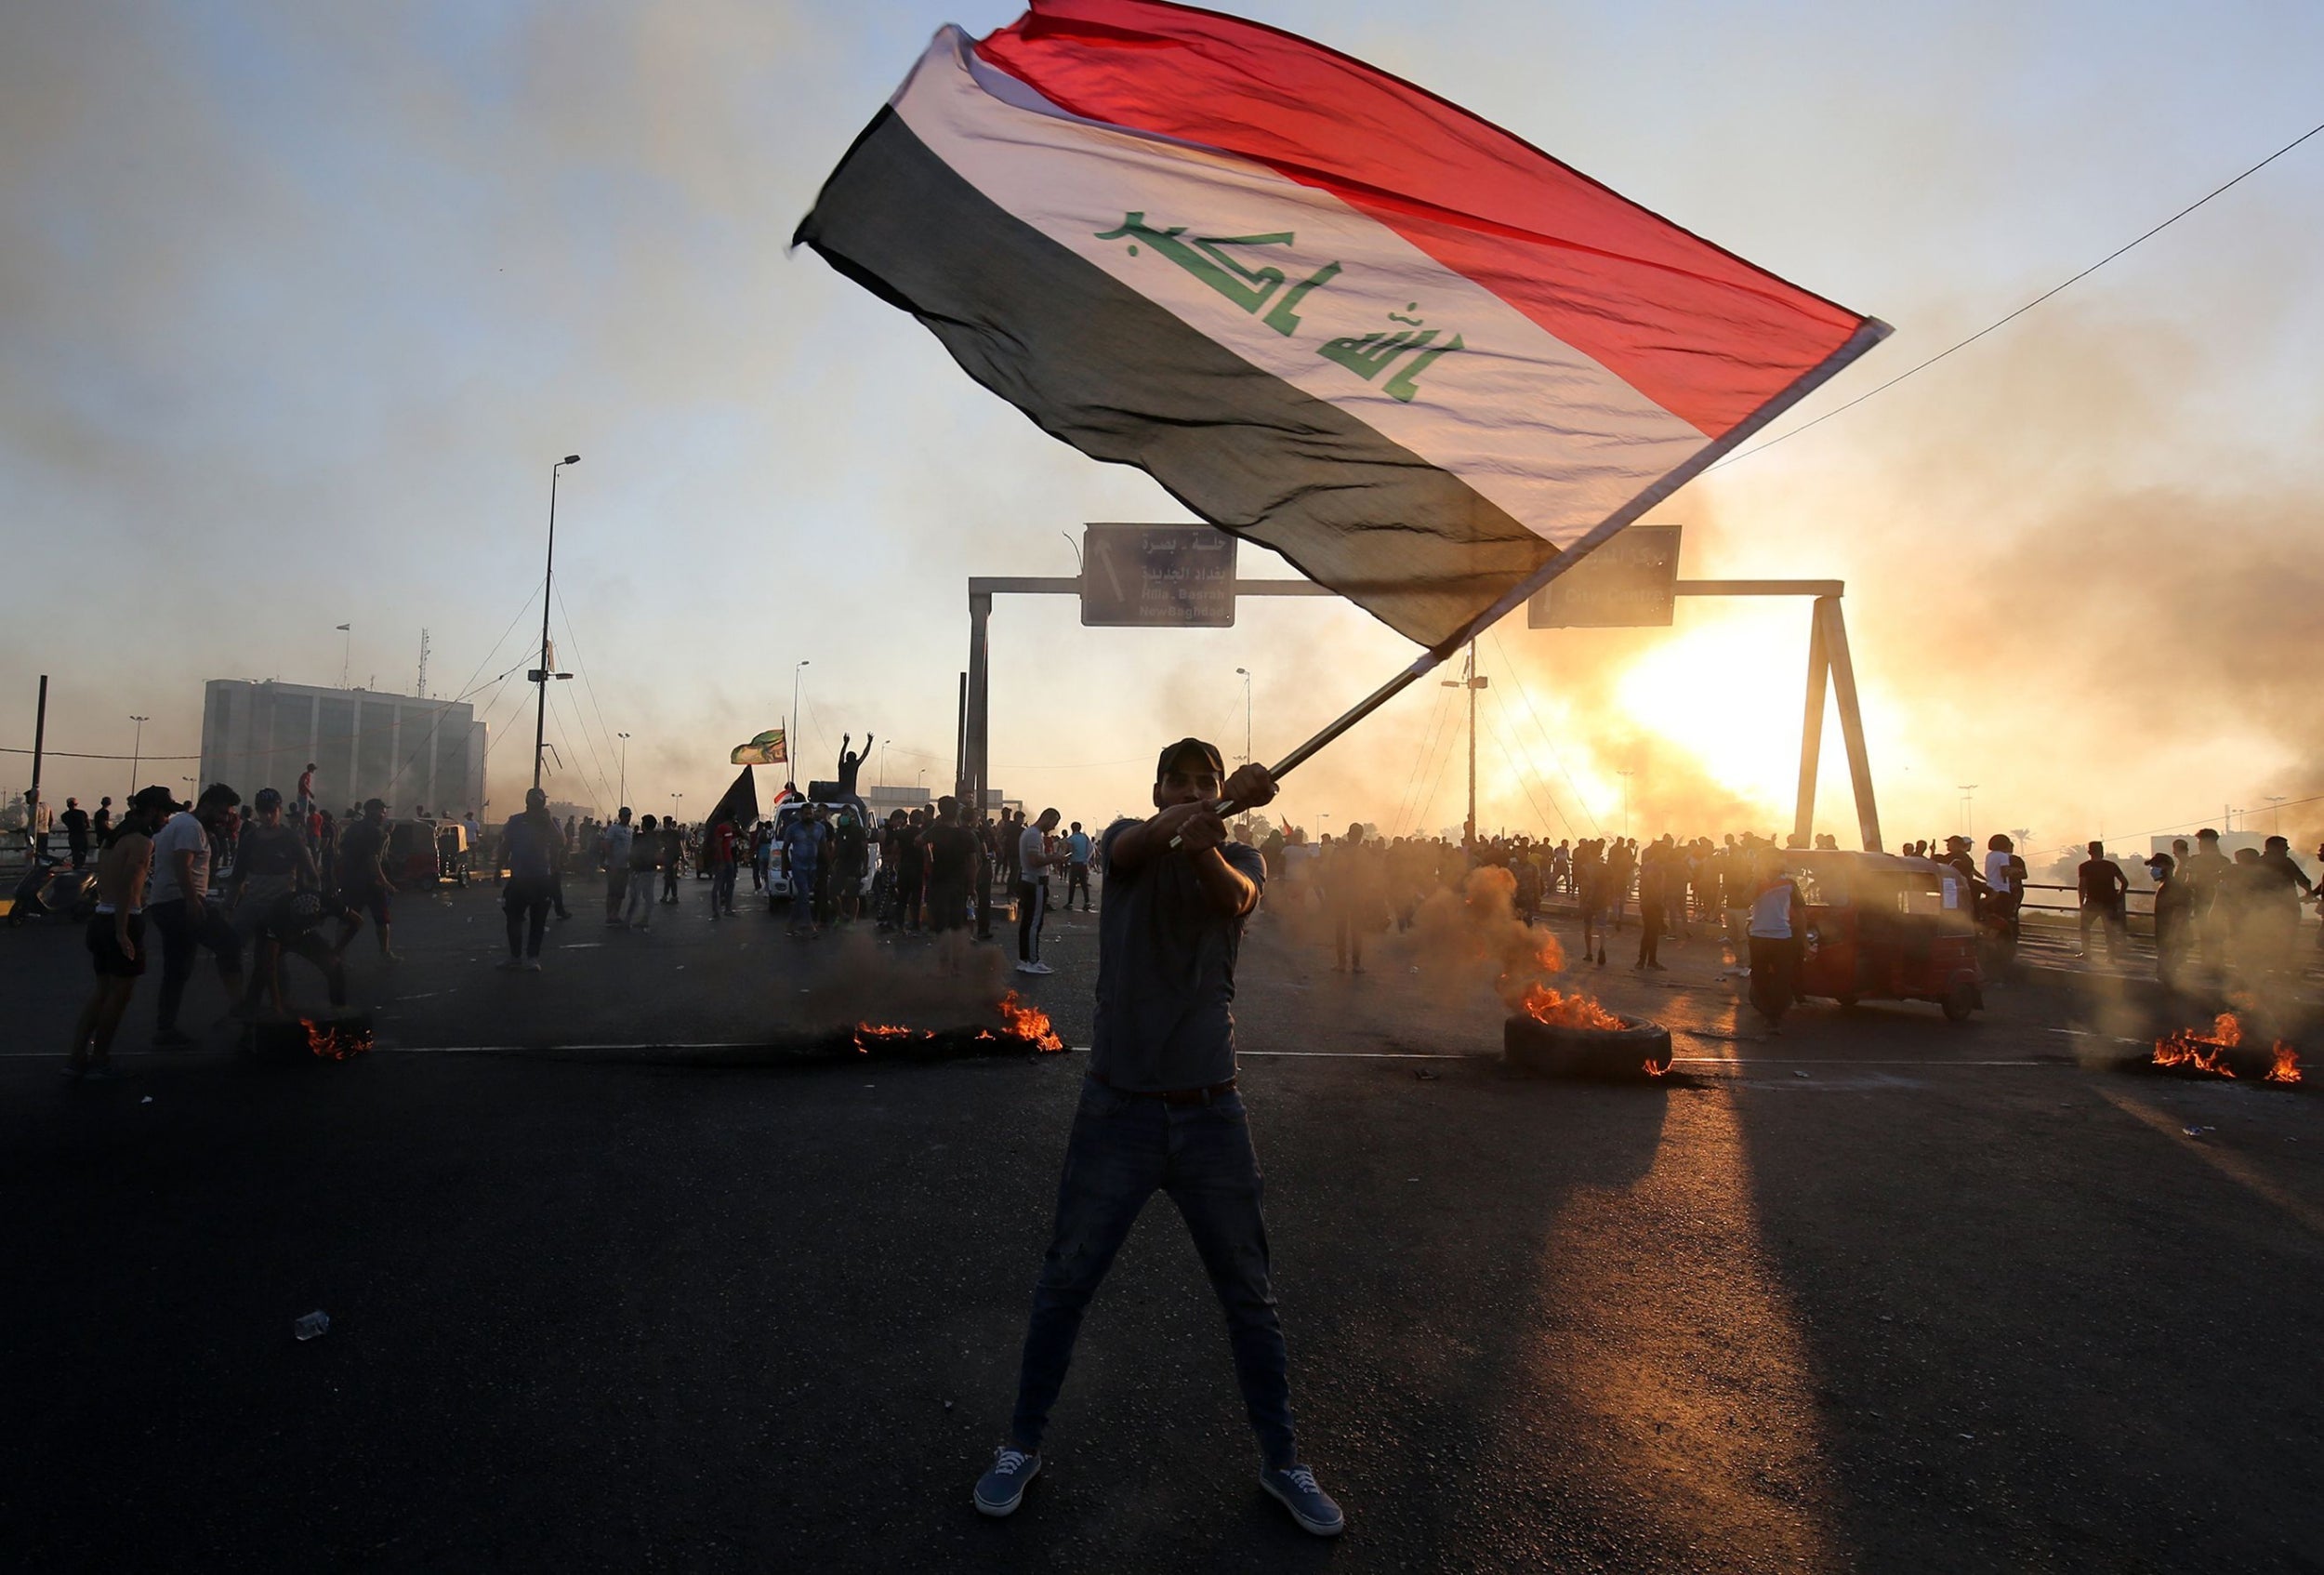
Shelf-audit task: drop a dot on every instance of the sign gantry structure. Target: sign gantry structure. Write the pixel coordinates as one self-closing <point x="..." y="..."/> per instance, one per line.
<point x="1183" y="577"/>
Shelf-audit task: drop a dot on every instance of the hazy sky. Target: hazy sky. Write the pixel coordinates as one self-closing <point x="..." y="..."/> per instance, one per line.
<point x="299" y="303"/>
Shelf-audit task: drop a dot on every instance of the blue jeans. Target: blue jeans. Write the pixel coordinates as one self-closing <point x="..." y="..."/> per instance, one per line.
<point x="1123" y="1148"/>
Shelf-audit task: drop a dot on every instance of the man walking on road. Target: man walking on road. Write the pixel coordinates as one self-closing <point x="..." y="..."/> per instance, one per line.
<point x="179" y="908"/>
<point x="2103" y="888"/>
<point x="1034" y="860"/>
<point x="364" y="883"/>
<point x="804" y="842"/>
<point x="1779" y="924"/>
<point x="620" y="837"/>
<point x="1159" y="1112"/>
<point x="645" y="857"/>
<point x="952" y="852"/>
<point x="75" y="821"/>
<point x="673" y="856"/>
<point x="723" y="854"/>
<point x="1078" y="867"/>
<point x="116" y="934"/>
<point x="532" y="843"/>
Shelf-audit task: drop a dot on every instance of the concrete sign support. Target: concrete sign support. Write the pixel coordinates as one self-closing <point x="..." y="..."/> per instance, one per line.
<point x="974" y="775"/>
<point x="1828" y="664"/>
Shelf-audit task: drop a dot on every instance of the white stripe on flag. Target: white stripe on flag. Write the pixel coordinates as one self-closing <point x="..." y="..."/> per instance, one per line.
<point x="1544" y="431"/>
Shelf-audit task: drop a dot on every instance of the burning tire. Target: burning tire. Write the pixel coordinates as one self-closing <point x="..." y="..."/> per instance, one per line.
<point x="1634" y="1050"/>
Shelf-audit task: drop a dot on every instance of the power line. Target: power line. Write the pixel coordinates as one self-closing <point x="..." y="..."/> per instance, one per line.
<point x="1525" y="694"/>
<point x="1421" y="757"/>
<point x="2056" y="289"/>
<point x="605" y="729"/>
<point x="1508" y="725"/>
<point x="1526" y="787"/>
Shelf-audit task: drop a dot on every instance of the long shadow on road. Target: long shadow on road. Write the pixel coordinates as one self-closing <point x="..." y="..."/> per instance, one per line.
<point x="2040" y="1335"/>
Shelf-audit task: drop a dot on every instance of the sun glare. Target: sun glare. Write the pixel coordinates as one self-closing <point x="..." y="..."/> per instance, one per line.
<point x="1697" y="691"/>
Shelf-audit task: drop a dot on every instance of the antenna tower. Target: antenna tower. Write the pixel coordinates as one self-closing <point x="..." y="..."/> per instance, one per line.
<point x="423" y="664"/>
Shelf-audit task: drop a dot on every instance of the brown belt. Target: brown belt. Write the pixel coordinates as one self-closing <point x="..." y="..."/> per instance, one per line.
<point x="1171" y="1096"/>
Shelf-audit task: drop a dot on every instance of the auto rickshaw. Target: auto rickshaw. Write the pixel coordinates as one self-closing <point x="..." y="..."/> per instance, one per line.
<point x="410" y="859"/>
<point x="1885" y="927"/>
<point x="452" y="851"/>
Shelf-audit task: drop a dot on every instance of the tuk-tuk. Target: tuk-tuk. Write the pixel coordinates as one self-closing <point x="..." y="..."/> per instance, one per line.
<point x="1885" y="927"/>
<point x="411" y="858"/>
<point x="452" y="851"/>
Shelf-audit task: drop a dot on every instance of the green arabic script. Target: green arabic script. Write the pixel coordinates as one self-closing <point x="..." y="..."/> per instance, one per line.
<point x="1202" y="255"/>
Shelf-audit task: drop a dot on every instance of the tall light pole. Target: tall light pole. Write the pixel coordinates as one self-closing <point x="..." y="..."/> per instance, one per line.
<point x="1968" y="807"/>
<point x="623" y="792"/>
<point x="542" y="674"/>
<point x="1471" y="683"/>
<point x="790" y="727"/>
<point x="136" y="749"/>
<point x="1627" y="774"/>
<point x="673" y="806"/>
<point x="2275" y="812"/>
<point x="1246" y="672"/>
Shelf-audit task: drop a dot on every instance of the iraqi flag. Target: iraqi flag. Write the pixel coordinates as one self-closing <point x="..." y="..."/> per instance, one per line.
<point x="1330" y="311"/>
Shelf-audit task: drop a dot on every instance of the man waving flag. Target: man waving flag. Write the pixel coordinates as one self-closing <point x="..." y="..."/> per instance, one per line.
<point x="1326" y="310"/>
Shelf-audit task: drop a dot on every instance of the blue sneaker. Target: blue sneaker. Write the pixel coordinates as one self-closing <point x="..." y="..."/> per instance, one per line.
<point x="999" y="1491"/>
<point x="1309" y="1505"/>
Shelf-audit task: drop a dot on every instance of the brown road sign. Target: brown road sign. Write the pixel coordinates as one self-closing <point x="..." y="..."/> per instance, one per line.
<point x="1629" y="583"/>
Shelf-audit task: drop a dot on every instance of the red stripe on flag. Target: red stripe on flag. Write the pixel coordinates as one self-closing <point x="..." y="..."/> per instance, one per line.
<point x="1699" y="331"/>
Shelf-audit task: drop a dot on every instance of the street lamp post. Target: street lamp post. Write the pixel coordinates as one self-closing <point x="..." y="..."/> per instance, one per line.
<point x="548" y="576"/>
<point x="136" y="752"/>
<point x="1626" y="775"/>
<point x="623" y="792"/>
<point x="790" y="729"/>
<point x="673" y="806"/>
<point x="1968" y="808"/>
<point x="1246" y="672"/>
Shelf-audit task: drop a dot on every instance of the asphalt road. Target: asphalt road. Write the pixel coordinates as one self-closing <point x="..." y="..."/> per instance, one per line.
<point x="1884" y="1293"/>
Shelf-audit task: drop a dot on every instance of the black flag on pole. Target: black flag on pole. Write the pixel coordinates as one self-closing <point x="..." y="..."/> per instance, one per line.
<point x="741" y="802"/>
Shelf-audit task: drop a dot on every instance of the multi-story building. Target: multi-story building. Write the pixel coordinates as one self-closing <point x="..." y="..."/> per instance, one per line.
<point x="404" y="752"/>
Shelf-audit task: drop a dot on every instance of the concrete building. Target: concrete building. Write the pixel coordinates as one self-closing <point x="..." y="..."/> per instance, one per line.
<point x="365" y="744"/>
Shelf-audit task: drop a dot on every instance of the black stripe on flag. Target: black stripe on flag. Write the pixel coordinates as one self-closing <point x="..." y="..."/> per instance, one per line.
<point x="1101" y="368"/>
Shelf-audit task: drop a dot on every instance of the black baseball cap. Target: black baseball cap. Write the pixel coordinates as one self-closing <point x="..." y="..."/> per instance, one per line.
<point x="154" y="798"/>
<point x="1207" y="753"/>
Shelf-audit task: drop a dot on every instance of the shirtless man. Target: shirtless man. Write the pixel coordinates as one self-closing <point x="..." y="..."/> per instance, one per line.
<point x="116" y="934"/>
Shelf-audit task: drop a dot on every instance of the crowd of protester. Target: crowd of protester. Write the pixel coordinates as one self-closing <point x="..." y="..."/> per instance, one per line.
<point x="285" y="878"/>
<point x="2239" y="916"/>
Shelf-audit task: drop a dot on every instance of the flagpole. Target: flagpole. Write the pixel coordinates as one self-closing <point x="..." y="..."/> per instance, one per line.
<point x="1870" y="332"/>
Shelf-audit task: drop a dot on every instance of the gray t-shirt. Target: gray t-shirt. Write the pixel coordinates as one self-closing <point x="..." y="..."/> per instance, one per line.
<point x="1166" y="974"/>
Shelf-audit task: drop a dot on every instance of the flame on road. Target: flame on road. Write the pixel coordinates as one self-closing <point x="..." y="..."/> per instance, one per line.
<point x="336" y="1042"/>
<point x="1576" y="1011"/>
<point x="1029" y="1024"/>
<point x="2200" y="1052"/>
<point x="1019" y="1020"/>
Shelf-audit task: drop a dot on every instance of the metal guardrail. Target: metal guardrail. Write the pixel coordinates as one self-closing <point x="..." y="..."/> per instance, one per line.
<point x="2133" y="916"/>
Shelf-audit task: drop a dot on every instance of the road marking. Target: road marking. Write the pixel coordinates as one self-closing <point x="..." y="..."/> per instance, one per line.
<point x="1374" y="1054"/>
<point x="1842" y="1061"/>
<point x="2232" y="1166"/>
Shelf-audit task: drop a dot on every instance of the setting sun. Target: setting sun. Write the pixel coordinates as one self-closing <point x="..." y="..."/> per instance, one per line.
<point x="1691" y="692"/>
